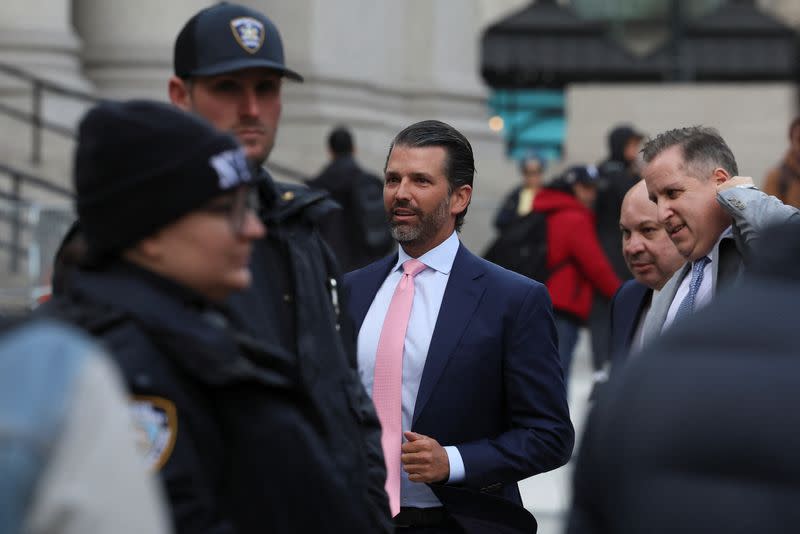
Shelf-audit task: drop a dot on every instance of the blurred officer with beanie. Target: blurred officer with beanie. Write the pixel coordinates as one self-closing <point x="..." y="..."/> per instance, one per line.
<point x="229" y="68"/>
<point x="168" y="211"/>
<point x="578" y="267"/>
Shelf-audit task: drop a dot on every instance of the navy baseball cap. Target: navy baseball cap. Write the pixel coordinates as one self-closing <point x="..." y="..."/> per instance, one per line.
<point x="582" y="174"/>
<point x="228" y="37"/>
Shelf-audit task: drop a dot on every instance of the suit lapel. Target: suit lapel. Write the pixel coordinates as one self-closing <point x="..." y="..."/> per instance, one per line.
<point x="364" y="285"/>
<point x="461" y="297"/>
<point x="727" y="264"/>
<point x="659" y="308"/>
<point x="642" y="298"/>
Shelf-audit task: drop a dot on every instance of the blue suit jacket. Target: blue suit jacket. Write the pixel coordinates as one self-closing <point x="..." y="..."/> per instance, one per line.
<point x="492" y="385"/>
<point x="626" y="311"/>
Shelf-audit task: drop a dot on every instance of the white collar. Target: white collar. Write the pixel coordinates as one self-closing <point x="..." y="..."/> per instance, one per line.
<point x="439" y="258"/>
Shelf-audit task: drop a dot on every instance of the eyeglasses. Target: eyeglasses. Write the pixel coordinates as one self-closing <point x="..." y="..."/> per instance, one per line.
<point x="235" y="207"/>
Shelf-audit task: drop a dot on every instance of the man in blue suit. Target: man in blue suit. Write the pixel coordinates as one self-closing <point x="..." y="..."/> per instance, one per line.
<point x="483" y="402"/>
<point x="652" y="258"/>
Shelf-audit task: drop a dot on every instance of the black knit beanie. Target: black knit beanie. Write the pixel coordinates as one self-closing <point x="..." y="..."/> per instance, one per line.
<point x="141" y="165"/>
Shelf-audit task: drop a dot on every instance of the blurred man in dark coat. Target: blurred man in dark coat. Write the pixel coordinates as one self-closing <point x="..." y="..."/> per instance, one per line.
<point x="346" y="229"/>
<point x="710" y="436"/>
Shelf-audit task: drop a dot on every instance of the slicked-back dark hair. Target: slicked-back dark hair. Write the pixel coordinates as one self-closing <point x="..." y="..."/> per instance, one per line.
<point x="340" y="141"/>
<point x="459" y="164"/>
<point x="703" y="149"/>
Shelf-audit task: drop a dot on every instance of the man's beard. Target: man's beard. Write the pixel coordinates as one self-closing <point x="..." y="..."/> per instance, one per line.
<point x="429" y="224"/>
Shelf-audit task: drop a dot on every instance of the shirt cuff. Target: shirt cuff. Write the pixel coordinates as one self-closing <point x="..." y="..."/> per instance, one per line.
<point x="457" y="473"/>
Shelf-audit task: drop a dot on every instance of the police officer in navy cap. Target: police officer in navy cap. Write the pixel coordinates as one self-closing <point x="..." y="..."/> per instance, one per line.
<point x="229" y="67"/>
<point x="168" y="212"/>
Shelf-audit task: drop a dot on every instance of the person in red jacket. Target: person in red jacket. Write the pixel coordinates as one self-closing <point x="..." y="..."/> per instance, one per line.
<point x="577" y="263"/>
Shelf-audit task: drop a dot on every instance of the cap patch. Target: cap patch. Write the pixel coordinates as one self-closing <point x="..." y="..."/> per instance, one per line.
<point x="155" y="424"/>
<point x="231" y="167"/>
<point x="249" y="33"/>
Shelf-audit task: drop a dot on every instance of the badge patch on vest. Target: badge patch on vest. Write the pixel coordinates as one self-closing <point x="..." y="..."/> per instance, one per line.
<point x="155" y="424"/>
<point x="249" y="33"/>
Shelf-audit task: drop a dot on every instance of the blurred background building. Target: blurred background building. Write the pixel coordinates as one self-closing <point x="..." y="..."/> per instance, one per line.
<point x="514" y="75"/>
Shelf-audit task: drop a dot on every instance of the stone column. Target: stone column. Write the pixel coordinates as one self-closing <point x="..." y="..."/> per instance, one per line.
<point x="128" y="45"/>
<point x="37" y="36"/>
<point x="401" y="62"/>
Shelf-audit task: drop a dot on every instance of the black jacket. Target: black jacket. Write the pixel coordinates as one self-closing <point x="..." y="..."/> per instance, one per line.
<point x="507" y="212"/>
<point x="615" y="180"/>
<point x="699" y="433"/>
<point x="341" y="230"/>
<point x="322" y="339"/>
<point x="247" y="453"/>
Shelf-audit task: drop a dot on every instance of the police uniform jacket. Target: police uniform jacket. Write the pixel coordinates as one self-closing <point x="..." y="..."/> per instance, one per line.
<point x="294" y="303"/>
<point x="221" y="416"/>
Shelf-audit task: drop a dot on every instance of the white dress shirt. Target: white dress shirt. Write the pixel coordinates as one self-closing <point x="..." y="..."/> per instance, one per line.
<point x="429" y="287"/>
<point x="704" y="292"/>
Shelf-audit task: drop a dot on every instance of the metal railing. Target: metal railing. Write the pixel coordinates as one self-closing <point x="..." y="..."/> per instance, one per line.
<point x="20" y="216"/>
<point x="15" y="220"/>
<point x="35" y="118"/>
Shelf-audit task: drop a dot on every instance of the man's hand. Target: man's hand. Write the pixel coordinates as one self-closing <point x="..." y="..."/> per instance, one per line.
<point x="424" y="459"/>
<point x="734" y="182"/>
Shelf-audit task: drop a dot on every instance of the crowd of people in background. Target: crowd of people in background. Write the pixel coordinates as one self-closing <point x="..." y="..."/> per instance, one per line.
<point x="330" y="357"/>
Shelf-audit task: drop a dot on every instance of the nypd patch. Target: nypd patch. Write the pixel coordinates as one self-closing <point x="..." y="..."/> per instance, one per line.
<point x="155" y="423"/>
<point x="249" y="33"/>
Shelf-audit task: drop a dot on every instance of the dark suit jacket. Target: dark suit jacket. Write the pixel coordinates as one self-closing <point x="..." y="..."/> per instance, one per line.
<point x="492" y="385"/>
<point x="626" y="311"/>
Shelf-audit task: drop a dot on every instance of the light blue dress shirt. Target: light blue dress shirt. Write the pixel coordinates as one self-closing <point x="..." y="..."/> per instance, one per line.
<point x="704" y="293"/>
<point x="429" y="287"/>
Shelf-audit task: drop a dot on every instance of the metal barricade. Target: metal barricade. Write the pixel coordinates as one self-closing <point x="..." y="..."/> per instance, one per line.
<point x="30" y="234"/>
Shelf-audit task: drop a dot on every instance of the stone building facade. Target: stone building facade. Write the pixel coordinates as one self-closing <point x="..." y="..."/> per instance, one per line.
<point x="375" y="65"/>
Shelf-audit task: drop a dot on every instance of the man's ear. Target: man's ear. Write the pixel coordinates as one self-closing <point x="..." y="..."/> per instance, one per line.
<point x="461" y="198"/>
<point x="720" y="176"/>
<point x="178" y="91"/>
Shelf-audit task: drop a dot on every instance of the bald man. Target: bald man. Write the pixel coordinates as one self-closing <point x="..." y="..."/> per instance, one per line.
<point x="652" y="258"/>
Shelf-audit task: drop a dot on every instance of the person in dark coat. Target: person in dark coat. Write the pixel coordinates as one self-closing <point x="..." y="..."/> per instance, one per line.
<point x="519" y="202"/>
<point x="229" y="68"/>
<point x="168" y="212"/>
<point x="344" y="232"/>
<point x="699" y="434"/>
<point x="618" y="174"/>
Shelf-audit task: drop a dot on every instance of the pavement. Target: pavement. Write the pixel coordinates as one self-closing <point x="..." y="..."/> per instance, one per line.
<point x="548" y="495"/>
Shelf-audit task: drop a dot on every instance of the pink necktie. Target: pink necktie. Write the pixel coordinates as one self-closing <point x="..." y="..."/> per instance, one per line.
<point x="387" y="387"/>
